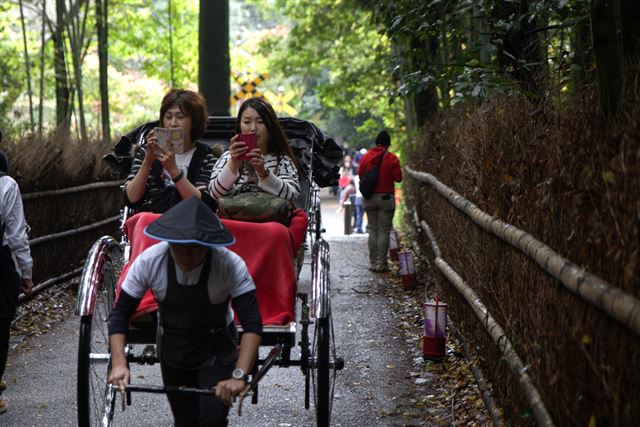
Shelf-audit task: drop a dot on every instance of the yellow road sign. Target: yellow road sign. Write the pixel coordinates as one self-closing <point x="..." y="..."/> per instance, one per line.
<point x="248" y="86"/>
<point x="280" y="101"/>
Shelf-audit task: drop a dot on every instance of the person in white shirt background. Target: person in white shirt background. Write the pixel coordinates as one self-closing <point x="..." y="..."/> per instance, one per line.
<point x="15" y="260"/>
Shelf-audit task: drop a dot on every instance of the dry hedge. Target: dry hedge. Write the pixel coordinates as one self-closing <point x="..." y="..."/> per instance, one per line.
<point x="573" y="182"/>
<point x="40" y="164"/>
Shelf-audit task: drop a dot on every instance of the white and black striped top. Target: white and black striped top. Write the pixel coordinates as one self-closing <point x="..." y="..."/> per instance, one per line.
<point x="282" y="180"/>
<point x="198" y="172"/>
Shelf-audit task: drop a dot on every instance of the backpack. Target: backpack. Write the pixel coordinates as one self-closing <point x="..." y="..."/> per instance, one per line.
<point x="369" y="179"/>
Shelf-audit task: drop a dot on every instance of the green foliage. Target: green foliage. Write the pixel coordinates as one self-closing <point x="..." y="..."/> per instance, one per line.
<point x="12" y="75"/>
<point x="139" y="39"/>
<point x="477" y="48"/>
<point x="335" y="54"/>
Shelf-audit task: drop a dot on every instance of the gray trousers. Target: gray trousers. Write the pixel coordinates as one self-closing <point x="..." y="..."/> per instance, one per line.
<point x="380" y="209"/>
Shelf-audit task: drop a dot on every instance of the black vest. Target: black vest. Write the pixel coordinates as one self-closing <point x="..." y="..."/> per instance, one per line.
<point x="192" y="330"/>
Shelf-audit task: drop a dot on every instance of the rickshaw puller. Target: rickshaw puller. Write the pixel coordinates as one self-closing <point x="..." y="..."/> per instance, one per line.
<point x="193" y="277"/>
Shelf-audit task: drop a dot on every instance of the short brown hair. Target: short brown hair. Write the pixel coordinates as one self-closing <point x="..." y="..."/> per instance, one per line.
<point x="190" y="103"/>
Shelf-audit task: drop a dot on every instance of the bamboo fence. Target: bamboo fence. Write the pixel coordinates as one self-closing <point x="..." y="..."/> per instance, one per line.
<point x="613" y="301"/>
<point x="70" y="190"/>
<point x="496" y="332"/>
<point x="67" y="233"/>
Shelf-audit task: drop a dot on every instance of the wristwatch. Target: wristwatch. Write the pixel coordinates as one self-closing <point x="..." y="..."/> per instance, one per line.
<point x="239" y="374"/>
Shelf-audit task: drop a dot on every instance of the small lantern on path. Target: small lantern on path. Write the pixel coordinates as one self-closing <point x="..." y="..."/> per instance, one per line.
<point x="435" y="323"/>
<point x="394" y="244"/>
<point x="407" y="270"/>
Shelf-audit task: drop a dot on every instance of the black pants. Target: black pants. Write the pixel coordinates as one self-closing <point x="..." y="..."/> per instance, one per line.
<point x="197" y="411"/>
<point x="5" y="324"/>
<point x="9" y="290"/>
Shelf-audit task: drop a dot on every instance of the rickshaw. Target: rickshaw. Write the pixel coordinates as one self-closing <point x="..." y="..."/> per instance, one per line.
<point x="311" y="326"/>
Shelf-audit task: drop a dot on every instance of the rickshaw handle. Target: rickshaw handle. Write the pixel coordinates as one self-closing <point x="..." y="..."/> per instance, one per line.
<point x="268" y="363"/>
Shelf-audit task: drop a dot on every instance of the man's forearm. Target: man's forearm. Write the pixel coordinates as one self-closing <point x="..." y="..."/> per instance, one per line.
<point x="249" y="345"/>
<point x="117" y="343"/>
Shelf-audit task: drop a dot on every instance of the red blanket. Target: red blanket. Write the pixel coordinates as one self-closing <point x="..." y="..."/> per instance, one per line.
<point x="268" y="249"/>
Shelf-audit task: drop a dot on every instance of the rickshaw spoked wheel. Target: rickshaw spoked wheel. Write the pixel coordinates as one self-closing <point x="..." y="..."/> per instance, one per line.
<point x="322" y="376"/>
<point x="95" y="398"/>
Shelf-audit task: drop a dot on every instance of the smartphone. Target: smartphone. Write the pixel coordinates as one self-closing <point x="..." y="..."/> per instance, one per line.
<point x="251" y="141"/>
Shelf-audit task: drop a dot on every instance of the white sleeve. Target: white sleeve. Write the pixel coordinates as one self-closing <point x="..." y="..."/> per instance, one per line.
<point x="283" y="179"/>
<point x="222" y="178"/>
<point x="240" y="280"/>
<point x="148" y="271"/>
<point x="16" y="228"/>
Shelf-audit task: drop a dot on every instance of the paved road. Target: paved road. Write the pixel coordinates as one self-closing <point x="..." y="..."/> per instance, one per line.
<point x="41" y="374"/>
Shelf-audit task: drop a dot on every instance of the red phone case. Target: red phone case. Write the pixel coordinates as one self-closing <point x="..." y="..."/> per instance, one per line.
<point x="250" y="140"/>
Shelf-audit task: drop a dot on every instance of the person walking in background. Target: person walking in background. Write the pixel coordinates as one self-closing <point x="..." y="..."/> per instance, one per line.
<point x="381" y="206"/>
<point x="14" y="242"/>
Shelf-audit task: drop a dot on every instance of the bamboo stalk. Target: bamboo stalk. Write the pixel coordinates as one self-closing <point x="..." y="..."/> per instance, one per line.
<point x="73" y="232"/>
<point x="496" y="332"/>
<point x="70" y="190"/>
<point x="47" y="283"/>
<point x="485" y="392"/>
<point x="499" y="336"/>
<point x="613" y="301"/>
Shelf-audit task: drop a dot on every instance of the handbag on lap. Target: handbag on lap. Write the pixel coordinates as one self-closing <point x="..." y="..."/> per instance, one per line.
<point x="256" y="206"/>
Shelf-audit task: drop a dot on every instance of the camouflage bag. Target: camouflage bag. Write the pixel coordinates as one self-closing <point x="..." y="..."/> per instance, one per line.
<point x="256" y="206"/>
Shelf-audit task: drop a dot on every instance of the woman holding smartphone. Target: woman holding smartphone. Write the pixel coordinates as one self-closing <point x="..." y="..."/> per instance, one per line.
<point x="268" y="167"/>
<point x="160" y="177"/>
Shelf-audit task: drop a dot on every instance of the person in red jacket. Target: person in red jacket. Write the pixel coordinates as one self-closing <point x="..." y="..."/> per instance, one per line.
<point x="381" y="206"/>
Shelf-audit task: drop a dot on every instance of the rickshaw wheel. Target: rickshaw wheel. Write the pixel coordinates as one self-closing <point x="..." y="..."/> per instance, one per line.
<point x="322" y="381"/>
<point x="95" y="396"/>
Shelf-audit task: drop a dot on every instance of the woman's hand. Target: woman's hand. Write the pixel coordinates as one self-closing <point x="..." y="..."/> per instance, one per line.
<point x="227" y="389"/>
<point x="237" y="149"/>
<point x="151" y="149"/>
<point x="257" y="161"/>
<point x="165" y="156"/>
<point x="168" y="159"/>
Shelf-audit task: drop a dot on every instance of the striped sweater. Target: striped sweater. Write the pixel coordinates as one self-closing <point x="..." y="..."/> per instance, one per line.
<point x="158" y="181"/>
<point x="282" y="180"/>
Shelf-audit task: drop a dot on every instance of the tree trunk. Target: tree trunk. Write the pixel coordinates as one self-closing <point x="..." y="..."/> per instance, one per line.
<point x="62" y="80"/>
<point x="103" y="58"/>
<point x="444" y="59"/>
<point x="27" y="67"/>
<point x="607" y="52"/>
<point x="630" y="14"/>
<point x="169" y="5"/>
<point x="75" y="31"/>
<point x="484" y="54"/>
<point x="520" y="53"/>
<point x="425" y="101"/>
<point x="42" y="46"/>
<point x="213" y="64"/>
<point x="581" y="56"/>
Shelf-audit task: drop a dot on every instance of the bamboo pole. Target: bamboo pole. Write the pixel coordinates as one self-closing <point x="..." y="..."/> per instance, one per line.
<point x="73" y="232"/>
<point x="613" y="301"/>
<point x="47" y="283"/>
<point x="70" y="190"/>
<point x="483" y="388"/>
<point x="497" y="334"/>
